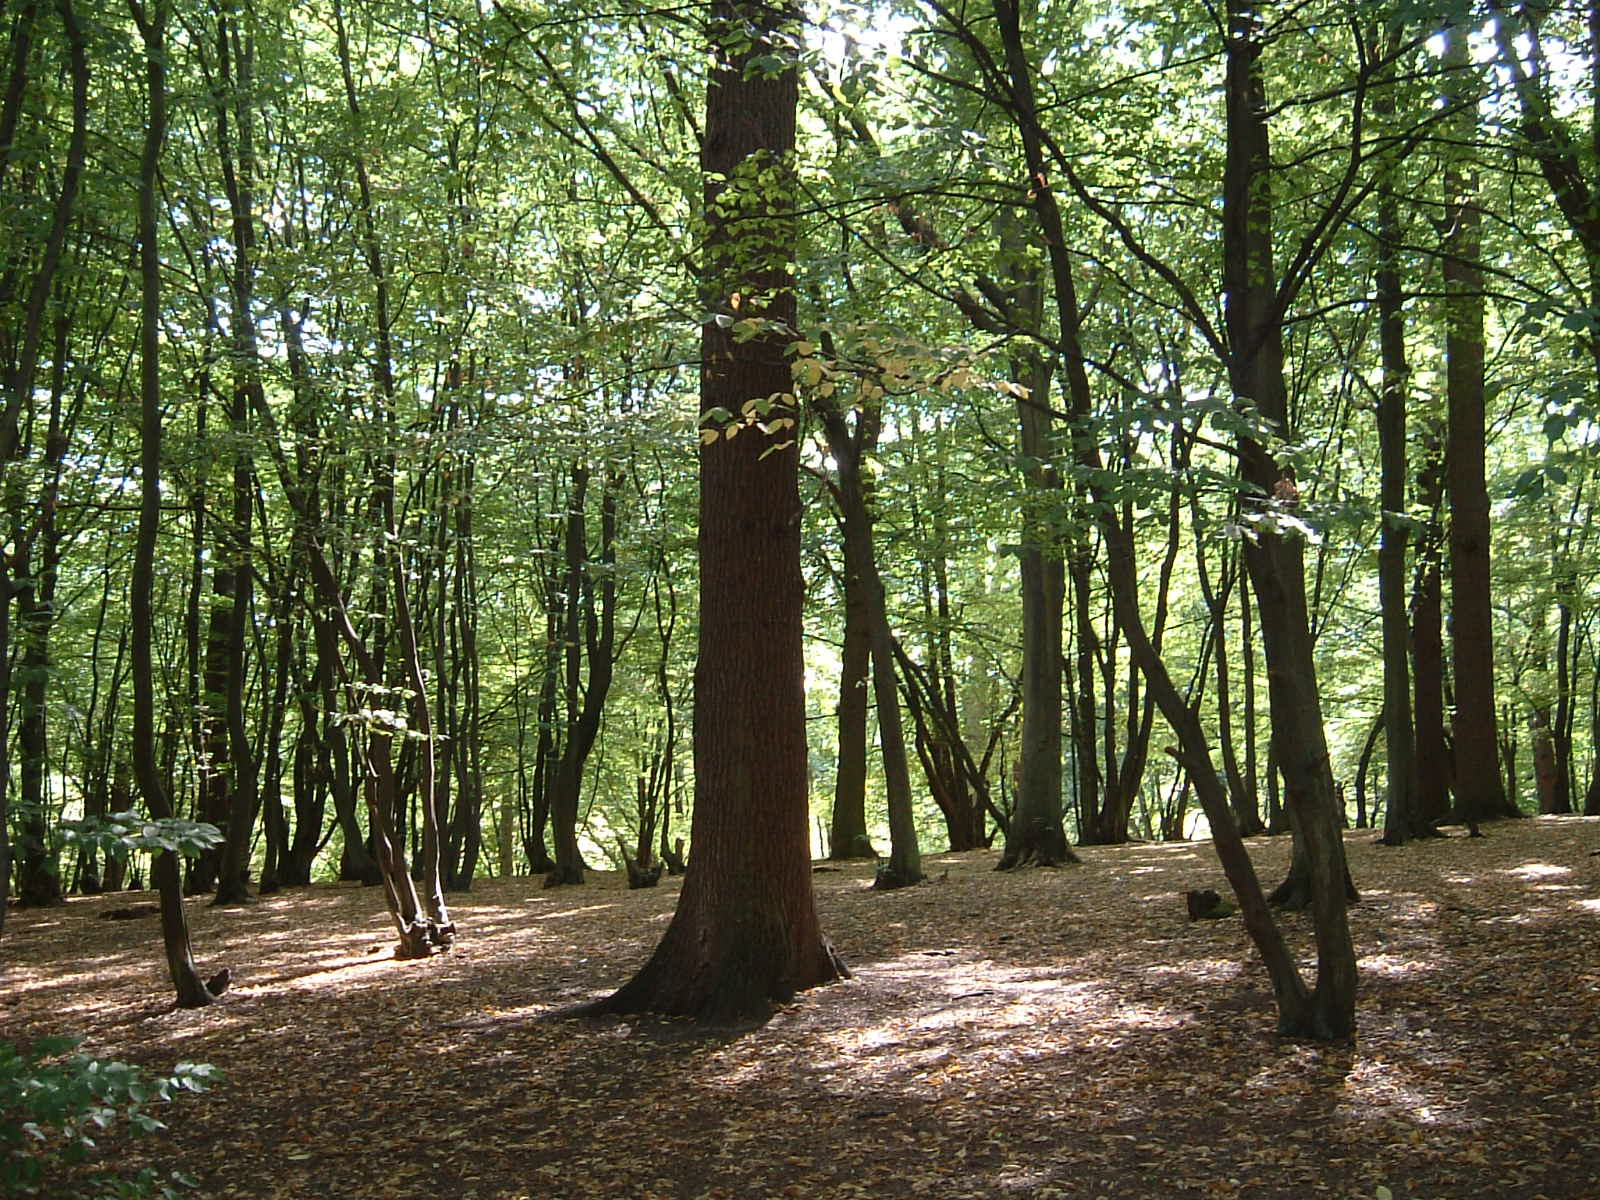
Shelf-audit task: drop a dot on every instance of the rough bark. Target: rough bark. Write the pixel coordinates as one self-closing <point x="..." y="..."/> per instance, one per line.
<point x="1480" y="787"/>
<point x="745" y="934"/>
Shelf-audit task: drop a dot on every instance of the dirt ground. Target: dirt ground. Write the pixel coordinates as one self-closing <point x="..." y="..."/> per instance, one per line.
<point x="1048" y="1033"/>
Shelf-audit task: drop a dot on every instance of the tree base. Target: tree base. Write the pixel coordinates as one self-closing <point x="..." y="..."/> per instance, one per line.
<point x="1294" y="893"/>
<point x="42" y="890"/>
<point x="1399" y="837"/>
<point x="1457" y="817"/>
<point x="723" y="981"/>
<point x="859" y="846"/>
<point x="364" y="874"/>
<point x="889" y="878"/>
<point x="674" y="858"/>
<point x="1042" y="845"/>
<point x="642" y="877"/>
<point x="1036" y="856"/>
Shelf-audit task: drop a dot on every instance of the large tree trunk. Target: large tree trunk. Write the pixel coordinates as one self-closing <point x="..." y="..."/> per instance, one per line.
<point x="745" y="934"/>
<point x="1480" y="787"/>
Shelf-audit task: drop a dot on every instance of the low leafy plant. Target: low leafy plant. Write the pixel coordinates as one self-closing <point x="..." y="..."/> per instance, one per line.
<point x="121" y="832"/>
<point x="54" y="1103"/>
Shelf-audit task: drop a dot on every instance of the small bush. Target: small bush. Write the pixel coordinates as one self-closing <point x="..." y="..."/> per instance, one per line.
<point x="54" y="1103"/>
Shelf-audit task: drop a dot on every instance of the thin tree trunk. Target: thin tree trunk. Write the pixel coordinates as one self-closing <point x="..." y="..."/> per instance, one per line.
<point x="589" y="638"/>
<point x="848" y="448"/>
<point x="1301" y="1012"/>
<point x="237" y="155"/>
<point x="847" y="837"/>
<point x="1275" y="558"/>
<point x="192" y="991"/>
<point x="1404" y="817"/>
<point x="1036" y="835"/>
<point x="20" y="351"/>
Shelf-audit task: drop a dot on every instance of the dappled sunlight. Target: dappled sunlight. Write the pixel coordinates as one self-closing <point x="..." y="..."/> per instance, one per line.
<point x="572" y="912"/>
<point x="1393" y="966"/>
<point x="1536" y="870"/>
<point x="1376" y="1090"/>
<point x="988" y="1013"/>
<point x="1198" y="968"/>
<point x="943" y="1017"/>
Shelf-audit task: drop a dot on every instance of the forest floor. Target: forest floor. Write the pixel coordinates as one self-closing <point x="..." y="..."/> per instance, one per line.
<point x="1046" y="1033"/>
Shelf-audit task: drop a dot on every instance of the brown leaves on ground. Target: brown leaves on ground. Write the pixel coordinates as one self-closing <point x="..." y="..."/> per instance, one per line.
<point x="1046" y="1033"/>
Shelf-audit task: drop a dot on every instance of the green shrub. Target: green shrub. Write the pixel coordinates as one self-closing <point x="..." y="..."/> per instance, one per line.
<point x="54" y="1103"/>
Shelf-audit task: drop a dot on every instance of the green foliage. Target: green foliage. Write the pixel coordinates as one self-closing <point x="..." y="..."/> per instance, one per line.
<point x="118" y="834"/>
<point x="54" y="1103"/>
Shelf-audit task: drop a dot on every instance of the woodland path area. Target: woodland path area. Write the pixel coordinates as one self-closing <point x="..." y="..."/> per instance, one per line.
<point x="1044" y="1033"/>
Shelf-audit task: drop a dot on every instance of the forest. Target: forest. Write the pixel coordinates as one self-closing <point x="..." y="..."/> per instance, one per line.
<point x="747" y="447"/>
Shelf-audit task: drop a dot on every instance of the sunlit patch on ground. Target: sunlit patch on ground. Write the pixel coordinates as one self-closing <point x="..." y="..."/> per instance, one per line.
<point x="1536" y="870"/>
<point x="1394" y="966"/>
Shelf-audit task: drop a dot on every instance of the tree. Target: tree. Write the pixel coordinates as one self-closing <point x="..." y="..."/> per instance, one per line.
<point x="1404" y="817"/>
<point x="864" y="601"/>
<point x="29" y="266"/>
<point x="1255" y="300"/>
<point x="1035" y="833"/>
<point x="192" y="991"/>
<point x="585" y="638"/>
<point x="745" y="934"/>
<point x="1480" y="788"/>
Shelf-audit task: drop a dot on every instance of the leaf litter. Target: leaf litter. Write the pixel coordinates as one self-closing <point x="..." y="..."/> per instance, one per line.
<point x="1038" y="1034"/>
